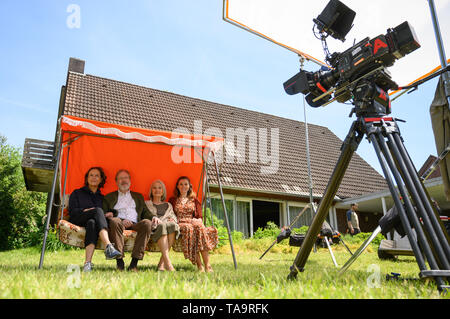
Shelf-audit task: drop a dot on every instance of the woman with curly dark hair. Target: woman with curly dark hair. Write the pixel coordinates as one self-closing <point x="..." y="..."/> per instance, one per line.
<point x="85" y="210"/>
<point x="196" y="238"/>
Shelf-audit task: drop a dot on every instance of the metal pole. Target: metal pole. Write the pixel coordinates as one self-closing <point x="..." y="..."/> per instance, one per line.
<point x="308" y="154"/>
<point x="359" y="251"/>
<point x="224" y="210"/>
<point x="331" y="252"/>
<point x="290" y="225"/>
<point x="49" y="208"/>
<point x="202" y="181"/>
<point x="437" y="33"/>
<point x="348" y="148"/>
<point x="209" y="197"/>
<point x="65" y="182"/>
<point x="440" y="45"/>
<point x="346" y="247"/>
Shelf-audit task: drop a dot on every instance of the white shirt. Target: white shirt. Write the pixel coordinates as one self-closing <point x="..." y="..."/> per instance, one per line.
<point x="126" y="207"/>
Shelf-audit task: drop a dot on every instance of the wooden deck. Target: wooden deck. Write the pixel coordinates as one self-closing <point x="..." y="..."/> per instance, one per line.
<point x="38" y="164"/>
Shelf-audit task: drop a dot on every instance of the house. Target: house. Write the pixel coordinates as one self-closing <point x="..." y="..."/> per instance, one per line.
<point x="380" y="201"/>
<point x="263" y="165"/>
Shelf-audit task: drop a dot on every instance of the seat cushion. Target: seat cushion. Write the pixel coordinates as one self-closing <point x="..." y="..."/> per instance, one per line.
<point x="74" y="235"/>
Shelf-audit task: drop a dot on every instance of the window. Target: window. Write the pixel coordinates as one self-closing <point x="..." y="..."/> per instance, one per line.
<point x="238" y="214"/>
<point x="305" y="219"/>
<point x="242" y="215"/>
<point x="217" y="207"/>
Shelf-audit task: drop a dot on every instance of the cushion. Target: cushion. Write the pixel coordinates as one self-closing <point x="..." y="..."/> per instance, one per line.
<point x="74" y="235"/>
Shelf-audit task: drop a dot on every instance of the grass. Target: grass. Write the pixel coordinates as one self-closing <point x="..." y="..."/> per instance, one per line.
<point x="254" y="278"/>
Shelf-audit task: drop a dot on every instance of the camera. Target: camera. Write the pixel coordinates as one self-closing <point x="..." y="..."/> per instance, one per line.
<point x="365" y="61"/>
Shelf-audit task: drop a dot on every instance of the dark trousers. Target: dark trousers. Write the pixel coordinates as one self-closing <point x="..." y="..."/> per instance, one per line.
<point x="93" y="220"/>
<point x="143" y="229"/>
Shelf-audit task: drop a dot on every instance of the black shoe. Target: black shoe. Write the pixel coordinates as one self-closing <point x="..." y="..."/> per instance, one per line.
<point x="133" y="265"/>
<point x="120" y="264"/>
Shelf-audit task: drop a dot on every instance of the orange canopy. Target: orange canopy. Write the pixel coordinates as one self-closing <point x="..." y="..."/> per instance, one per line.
<point x="147" y="154"/>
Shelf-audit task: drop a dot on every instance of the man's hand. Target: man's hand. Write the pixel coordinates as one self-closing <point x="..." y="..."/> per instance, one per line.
<point x="127" y="223"/>
<point x="109" y="215"/>
<point x="88" y="209"/>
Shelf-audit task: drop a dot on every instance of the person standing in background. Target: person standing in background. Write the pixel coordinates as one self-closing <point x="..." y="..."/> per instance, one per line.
<point x="352" y="220"/>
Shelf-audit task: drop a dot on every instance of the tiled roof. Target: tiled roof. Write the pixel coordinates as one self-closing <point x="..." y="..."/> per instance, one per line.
<point x="101" y="99"/>
<point x="430" y="160"/>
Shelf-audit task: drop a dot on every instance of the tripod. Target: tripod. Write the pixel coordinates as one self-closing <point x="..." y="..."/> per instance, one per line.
<point x="286" y="232"/>
<point x="431" y="244"/>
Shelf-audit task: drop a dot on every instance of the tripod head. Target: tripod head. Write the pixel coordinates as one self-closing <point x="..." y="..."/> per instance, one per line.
<point x="370" y="98"/>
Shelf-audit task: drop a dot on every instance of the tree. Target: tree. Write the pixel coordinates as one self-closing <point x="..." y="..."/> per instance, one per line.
<point x="21" y="211"/>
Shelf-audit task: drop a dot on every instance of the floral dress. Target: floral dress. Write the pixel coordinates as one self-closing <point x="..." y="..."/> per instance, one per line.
<point x="195" y="236"/>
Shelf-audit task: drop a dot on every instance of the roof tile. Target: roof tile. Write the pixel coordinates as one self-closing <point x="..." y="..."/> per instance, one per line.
<point x="101" y="99"/>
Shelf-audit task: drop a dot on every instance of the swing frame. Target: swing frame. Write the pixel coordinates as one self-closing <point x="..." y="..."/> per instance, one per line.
<point x="200" y="146"/>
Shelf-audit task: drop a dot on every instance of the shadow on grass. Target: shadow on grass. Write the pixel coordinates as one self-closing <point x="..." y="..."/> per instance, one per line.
<point x="97" y="268"/>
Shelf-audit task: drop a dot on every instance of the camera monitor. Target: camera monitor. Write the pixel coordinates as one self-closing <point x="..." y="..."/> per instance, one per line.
<point x="336" y="20"/>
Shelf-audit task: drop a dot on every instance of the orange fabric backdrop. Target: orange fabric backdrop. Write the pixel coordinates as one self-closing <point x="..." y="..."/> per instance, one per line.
<point x="145" y="161"/>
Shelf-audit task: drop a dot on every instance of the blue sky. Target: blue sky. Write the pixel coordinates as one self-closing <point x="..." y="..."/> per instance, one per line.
<point x="179" y="46"/>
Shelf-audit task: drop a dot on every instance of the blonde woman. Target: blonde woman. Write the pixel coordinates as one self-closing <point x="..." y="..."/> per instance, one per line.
<point x="165" y="228"/>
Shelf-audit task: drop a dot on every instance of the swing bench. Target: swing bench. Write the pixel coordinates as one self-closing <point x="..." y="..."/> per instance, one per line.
<point x="74" y="235"/>
<point x="147" y="154"/>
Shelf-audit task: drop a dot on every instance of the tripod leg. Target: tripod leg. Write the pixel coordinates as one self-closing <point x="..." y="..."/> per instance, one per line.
<point x="273" y="244"/>
<point x="411" y="214"/>
<point x="346" y="247"/>
<point x="349" y="146"/>
<point x="290" y="226"/>
<point x="427" y="227"/>
<point x="331" y="252"/>
<point x="431" y="222"/>
<point x="398" y="203"/>
<point x="359" y="251"/>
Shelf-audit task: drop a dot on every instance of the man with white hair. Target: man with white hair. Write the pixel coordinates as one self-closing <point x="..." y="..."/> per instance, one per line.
<point x="126" y="209"/>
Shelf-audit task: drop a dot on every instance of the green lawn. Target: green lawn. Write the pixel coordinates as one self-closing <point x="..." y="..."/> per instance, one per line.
<point x="254" y="278"/>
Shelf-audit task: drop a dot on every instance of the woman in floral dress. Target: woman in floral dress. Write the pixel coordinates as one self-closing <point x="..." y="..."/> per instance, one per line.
<point x="197" y="239"/>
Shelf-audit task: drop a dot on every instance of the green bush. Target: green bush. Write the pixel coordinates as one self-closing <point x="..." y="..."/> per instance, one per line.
<point x="362" y="237"/>
<point x="236" y="236"/>
<point x="301" y="230"/>
<point x="270" y="231"/>
<point x="358" y="239"/>
<point x="21" y="211"/>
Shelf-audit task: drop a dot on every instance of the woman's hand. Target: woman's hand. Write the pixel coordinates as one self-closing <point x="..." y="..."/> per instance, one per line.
<point x="156" y="221"/>
<point x="88" y="209"/>
<point x="109" y="215"/>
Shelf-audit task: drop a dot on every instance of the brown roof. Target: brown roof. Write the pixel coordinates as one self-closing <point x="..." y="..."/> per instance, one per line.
<point x="101" y="99"/>
<point x="430" y="160"/>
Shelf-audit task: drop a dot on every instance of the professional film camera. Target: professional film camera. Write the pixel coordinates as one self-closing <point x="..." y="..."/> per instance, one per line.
<point x="359" y="74"/>
<point x="352" y="69"/>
